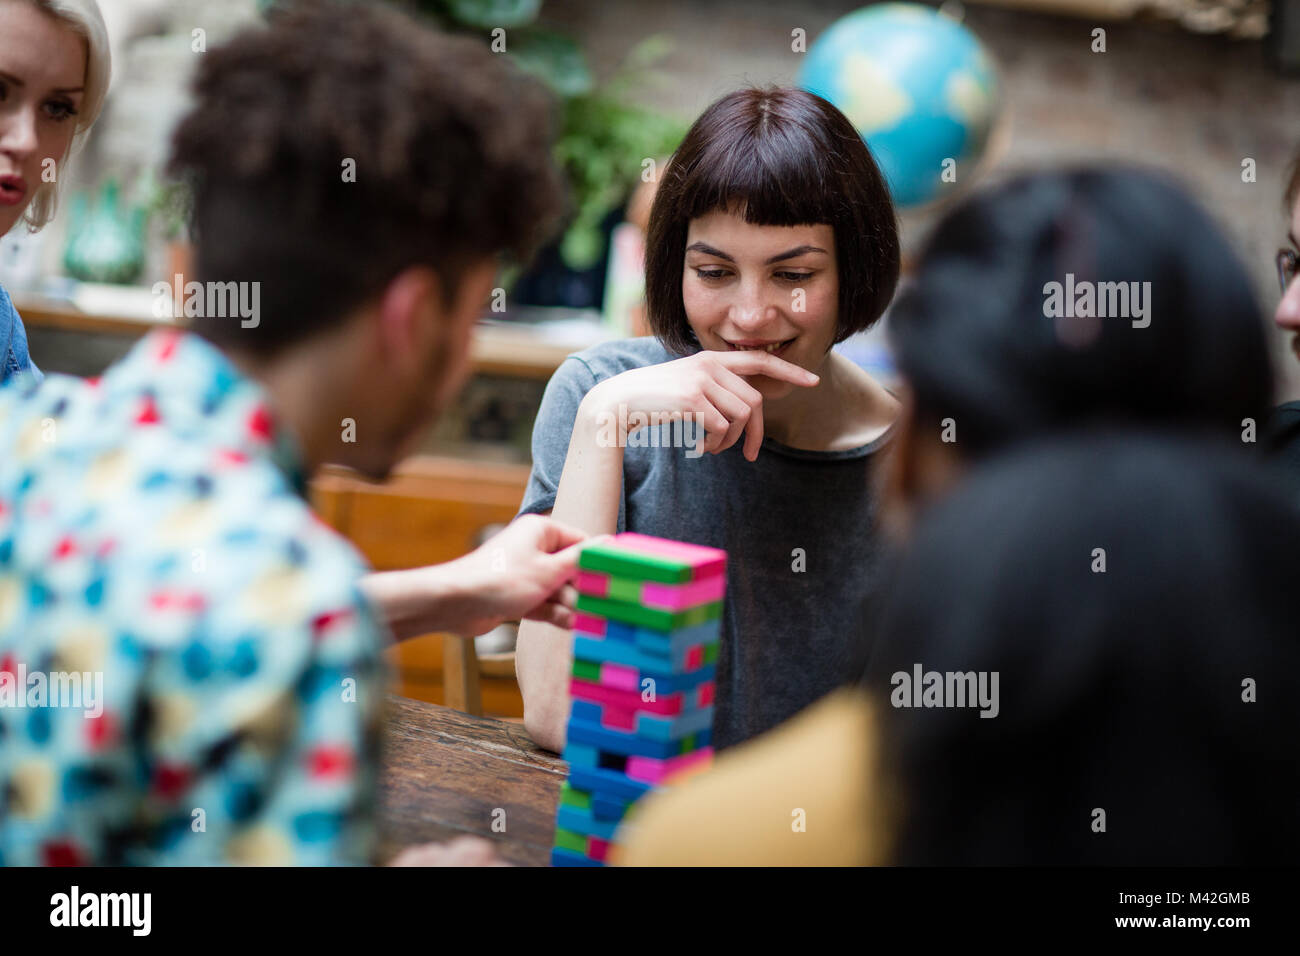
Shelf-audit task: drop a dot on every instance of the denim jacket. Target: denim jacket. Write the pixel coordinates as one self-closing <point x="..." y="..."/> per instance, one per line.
<point x="13" y="342"/>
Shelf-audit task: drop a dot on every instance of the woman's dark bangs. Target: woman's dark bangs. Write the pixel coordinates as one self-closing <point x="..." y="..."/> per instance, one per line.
<point x="776" y="180"/>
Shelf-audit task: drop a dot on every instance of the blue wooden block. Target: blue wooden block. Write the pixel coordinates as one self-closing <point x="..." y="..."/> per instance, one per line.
<point x="587" y="710"/>
<point x="671" y="643"/>
<point x="608" y="808"/>
<point x="663" y="643"/>
<point x="667" y="656"/>
<point x="619" y="631"/>
<point x="649" y="726"/>
<point x="672" y="683"/>
<point x="630" y="745"/>
<point x="600" y="650"/>
<point x="617" y="742"/>
<point x="675" y="728"/>
<point x="582" y="821"/>
<point x="563" y="857"/>
<point x="581" y="755"/>
<point x="612" y="782"/>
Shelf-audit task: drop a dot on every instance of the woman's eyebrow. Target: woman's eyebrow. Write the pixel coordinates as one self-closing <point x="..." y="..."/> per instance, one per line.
<point x="708" y="250"/>
<point x="791" y="253"/>
<point x="11" y="79"/>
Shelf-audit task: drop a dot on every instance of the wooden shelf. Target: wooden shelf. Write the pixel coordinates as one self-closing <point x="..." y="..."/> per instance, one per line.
<point x="515" y="351"/>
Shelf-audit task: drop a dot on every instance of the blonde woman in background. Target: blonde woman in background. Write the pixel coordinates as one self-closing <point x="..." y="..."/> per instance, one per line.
<point x="54" y="73"/>
<point x="1282" y="437"/>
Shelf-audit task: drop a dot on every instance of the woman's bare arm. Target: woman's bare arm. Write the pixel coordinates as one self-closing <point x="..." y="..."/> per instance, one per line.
<point x="587" y="499"/>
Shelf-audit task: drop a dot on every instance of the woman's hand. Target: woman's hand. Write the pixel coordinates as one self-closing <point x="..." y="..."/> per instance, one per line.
<point x="708" y="388"/>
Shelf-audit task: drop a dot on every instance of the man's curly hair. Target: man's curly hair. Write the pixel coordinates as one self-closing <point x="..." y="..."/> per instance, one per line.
<point x="450" y="144"/>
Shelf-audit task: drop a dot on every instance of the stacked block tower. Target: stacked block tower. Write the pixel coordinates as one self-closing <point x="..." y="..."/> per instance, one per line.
<point x="645" y="648"/>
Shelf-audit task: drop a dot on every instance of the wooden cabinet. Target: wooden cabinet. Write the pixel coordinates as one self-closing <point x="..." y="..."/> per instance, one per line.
<point x="430" y="511"/>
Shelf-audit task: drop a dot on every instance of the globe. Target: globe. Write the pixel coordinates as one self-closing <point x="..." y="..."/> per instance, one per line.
<point x="918" y="86"/>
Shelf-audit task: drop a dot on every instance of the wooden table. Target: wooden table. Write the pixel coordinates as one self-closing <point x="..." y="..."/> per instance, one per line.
<point x="446" y="774"/>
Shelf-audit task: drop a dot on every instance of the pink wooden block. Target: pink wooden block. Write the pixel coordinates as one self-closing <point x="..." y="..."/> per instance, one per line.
<point x="706" y="694"/>
<point x="619" y="676"/>
<point x="695" y="657"/>
<point x="597" y="848"/>
<point x="588" y="690"/>
<point x="704" y="561"/>
<point x="593" y="583"/>
<point x="655" y="771"/>
<point x="618" y="718"/>
<point x="589" y="624"/>
<point x="675" y="597"/>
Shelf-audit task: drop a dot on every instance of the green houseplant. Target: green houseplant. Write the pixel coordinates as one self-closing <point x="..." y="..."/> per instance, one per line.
<point x="604" y="138"/>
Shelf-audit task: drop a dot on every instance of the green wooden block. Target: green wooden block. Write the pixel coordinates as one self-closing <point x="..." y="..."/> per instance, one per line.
<point x="568" y="840"/>
<point x="644" y="567"/>
<point x="586" y="670"/>
<point x="650" y="617"/>
<point x="698" y="614"/>
<point x="625" y="589"/>
<point x="575" y="798"/>
<point x="710" y="652"/>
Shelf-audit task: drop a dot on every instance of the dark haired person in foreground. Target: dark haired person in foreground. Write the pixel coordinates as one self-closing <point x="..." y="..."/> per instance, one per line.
<point x="772" y="237"/>
<point x="1094" y="547"/>
<point x="1060" y="300"/>
<point x="1135" y="594"/>
<point x="359" y="176"/>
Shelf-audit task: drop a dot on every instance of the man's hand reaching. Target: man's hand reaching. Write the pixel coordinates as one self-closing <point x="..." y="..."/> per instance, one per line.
<point x="522" y="573"/>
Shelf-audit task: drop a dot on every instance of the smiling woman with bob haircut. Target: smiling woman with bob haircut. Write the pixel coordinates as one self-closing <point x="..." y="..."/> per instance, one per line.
<point x="54" y="72"/>
<point x="772" y="237"/>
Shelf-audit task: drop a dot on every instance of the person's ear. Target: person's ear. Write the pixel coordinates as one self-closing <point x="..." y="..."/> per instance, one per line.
<point x="407" y="310"/>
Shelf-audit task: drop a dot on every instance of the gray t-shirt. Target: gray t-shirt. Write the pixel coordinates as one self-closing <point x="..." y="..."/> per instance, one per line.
<point x="803" y="556"/>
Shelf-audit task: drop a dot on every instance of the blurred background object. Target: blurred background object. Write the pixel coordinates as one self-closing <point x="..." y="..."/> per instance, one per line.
<point x="918" y="86"/>
<point x="105" y="238"/>
<point x="1238" y="18"/>
<point x="603" y="140"/>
